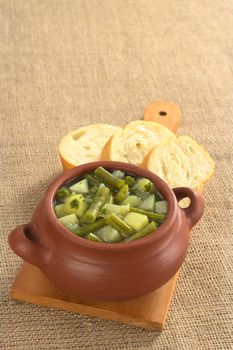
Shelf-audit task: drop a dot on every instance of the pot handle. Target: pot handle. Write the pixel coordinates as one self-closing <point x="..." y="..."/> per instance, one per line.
<point x="24" y="243"/>
<point x="195" y="210"/>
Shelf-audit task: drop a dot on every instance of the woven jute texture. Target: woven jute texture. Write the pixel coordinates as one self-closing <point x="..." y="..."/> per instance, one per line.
<point x="68" y="63"/>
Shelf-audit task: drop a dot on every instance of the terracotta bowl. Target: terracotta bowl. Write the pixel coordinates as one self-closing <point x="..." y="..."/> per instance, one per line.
<point x="108" y="271"/>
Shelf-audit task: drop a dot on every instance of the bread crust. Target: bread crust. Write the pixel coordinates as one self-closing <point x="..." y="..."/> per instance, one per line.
<point x="66" y="162"/>
<point x="106" y="151"/>
<point x="111" y="148"/>
<point x="148" y="162"/>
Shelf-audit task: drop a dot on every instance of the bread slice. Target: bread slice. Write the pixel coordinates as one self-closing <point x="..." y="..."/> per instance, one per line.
<point x="84" y="145"/>
<point x="181" y="162"/>
<point x="133" y="143"/>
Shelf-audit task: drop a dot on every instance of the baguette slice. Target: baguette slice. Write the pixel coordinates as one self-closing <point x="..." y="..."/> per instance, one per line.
<point x="181" y="162"/>
<point x="84" y="145"/>
<point x="133" y="143"/>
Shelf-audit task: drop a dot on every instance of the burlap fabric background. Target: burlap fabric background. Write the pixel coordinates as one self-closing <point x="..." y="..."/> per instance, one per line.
<point x="69" y="63"/>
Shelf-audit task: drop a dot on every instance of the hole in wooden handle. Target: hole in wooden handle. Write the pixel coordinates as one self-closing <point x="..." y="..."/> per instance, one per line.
<point x="165" y="113"/>
<point x="162" y="113"/>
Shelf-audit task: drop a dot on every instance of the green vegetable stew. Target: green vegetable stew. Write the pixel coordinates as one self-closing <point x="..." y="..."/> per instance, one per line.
<point x="110" y="207"/>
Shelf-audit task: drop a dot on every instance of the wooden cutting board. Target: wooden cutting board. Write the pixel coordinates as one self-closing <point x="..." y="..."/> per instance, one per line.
<point x="148" y="311"/>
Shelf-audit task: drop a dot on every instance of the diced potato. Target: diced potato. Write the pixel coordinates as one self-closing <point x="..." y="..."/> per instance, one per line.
<point x="92" y="237"/>
<point x="143" y="185"/>
<point x="121" y="210"/>
<point x="59" y="210"/>
<point x="102" y="185"/>
<point x="69" y="220"/>
<point x="80" y="187"/>
<point x="133" y="201"/>
<point x="118" y="173"/>
<point x="148" y="203"/>
<point x="161" y="207"/>
<point x="109" y="235"/>
<point x="136" y="221"/>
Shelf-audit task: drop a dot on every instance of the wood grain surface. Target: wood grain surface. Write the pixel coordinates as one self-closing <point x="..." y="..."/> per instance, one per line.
<point x="148" y="311"/>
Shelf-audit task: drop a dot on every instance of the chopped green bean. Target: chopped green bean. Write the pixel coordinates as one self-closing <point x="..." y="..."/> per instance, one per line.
<point x="142" y="233"/>
<point x="124" y="229"/>
<point x="94" y="226"/>
<point x="129" y="180"/>
<point x="157" y="217"/>
<point x="62" y="193"/>
<point x="100" y="199"/>
<point x="94" y="180"/>
<point x="148" y="186"/>
<point x="94" y="189"/>
<point x="110" y="200"/>
<point x="122" y="194"/>
<point x="89" y="198"/>
<point x="109" y="179"/>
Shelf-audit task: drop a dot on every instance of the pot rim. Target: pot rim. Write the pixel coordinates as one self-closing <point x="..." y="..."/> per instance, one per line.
<point x="63" y="178"/>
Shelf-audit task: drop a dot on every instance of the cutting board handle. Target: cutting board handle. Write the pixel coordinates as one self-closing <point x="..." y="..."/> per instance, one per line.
<point x="163" y="112"/>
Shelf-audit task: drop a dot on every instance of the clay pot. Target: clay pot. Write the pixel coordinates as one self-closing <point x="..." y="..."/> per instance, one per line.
<point x="108" y="271"/>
